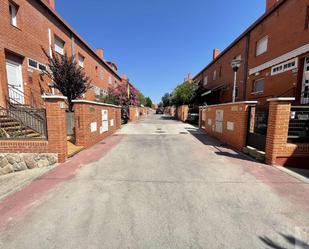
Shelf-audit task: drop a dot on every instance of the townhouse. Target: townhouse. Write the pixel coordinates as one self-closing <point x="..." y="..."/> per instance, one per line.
<point x="275" y="58"/>
<point x="28" y="27"/>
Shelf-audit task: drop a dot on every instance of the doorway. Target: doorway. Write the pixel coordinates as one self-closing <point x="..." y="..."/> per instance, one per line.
<point x="305" y="83"/>
<point x="15" y="82"/>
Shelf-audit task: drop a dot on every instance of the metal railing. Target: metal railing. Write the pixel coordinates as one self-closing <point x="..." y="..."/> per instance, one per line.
<point x="299" y="125"/>
<point x="17" y="97"/>
<point x="19" y="122"/>
<point x="305" y="97"/>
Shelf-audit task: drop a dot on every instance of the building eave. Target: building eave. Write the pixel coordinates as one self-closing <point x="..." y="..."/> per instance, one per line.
<point x="69" y="27"/>
<point x="247" y="31"/>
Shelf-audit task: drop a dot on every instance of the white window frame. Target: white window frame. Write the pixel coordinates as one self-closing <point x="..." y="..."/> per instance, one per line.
<point x="262" y="46"/>
<point x="38" y="65"/>
<point x="81" y="60"/>
<point x="254" y="82"/>
<point x="285" y="66"/>
<point x="110" y="81"/>
<point x="13" y="9"/>
<point x="205" y="80"/>
<point x="59" y="49"/>
<point x="214" y="77"/>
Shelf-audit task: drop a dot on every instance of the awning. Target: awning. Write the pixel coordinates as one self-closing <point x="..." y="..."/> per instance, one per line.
<point x="216" y="88"/>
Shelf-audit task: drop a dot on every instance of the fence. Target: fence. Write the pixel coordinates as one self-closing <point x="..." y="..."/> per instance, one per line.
<point x="285" y="128"/>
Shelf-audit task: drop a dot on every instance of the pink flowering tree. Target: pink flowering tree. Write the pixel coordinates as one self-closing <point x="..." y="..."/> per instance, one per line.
<point x="123" y="95"/>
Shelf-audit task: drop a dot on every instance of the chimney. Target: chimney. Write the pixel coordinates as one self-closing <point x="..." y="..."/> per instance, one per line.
<point x="124" y="78"/>
<point x="270" y="4"/>
<point x="190" y="76"/>
<point x="100" y="53"/>
<point x="215" y="53"/>
<point x="51" y="3"/>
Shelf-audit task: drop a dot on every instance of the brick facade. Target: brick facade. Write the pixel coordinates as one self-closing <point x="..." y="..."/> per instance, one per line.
<point x="283" y="44"/>
<point x="37" y="26"/>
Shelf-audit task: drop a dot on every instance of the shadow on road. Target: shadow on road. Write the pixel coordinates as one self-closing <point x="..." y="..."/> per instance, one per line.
<point x="222" y="148"/>
<point x="167" y="118"/>
<point x="297" y="243"/>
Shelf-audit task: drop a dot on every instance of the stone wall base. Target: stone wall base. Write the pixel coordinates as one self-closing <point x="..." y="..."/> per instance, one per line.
<point x="12" y="162"/>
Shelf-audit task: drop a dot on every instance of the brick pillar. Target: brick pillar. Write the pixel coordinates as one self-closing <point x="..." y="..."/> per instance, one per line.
<point x="118" y="118"/>
<point x="56" y="126"/>
<point x="185" y="112"/>
<point x="278" y="127"/>
<point x="3" y="80"/>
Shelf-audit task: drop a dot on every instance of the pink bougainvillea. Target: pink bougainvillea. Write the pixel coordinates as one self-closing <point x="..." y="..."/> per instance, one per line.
<point x="125" y="94"/>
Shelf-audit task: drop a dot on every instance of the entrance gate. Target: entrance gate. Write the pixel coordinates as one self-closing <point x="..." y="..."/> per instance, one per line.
<point x="257" y="126"/>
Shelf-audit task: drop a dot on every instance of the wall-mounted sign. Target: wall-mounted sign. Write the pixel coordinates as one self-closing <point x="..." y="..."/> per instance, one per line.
<point x="93" y="127"/>
<point x="230" y="126"/>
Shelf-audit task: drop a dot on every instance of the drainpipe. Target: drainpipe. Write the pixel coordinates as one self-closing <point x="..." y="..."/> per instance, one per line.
<point x="73" y="46"/>
<point x="246" y="69"/>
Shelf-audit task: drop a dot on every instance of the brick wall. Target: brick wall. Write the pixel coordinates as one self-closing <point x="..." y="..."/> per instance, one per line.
<point x="22" y="146"/>
<point x="182" y="113"/>
<point x="56" y="126"/>
<point x="278" y="150"/>
<point x="133" y="113"/>
<point x="88" y="122"/>
<point x="233" y="127"/>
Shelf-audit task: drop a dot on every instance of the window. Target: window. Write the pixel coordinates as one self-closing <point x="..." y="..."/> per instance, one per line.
<point x="238" y="57"/>
<point x="33" y="63"/>
<point x="220" y="71"/>
<point x="13" y="8"/>
<point x="81" y="60"/>
<point x="283" y="67"/>
<point x="101" y="77"/>
<point x="59" y="45"/>
<point x="258" y="86"/>
<point x="36" y="65"/>
<point x="261" y="46"/>
<point x="205" y="82"/>
<point x="214" y="75"/>
<point x="110" y="80"/>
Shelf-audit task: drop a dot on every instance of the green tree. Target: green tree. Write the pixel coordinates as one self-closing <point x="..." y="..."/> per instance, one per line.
<point x="184" y="93"/>
<point x="141" y="99"/>
<point x="148" y="102"/>
<point x="166" y="100"/>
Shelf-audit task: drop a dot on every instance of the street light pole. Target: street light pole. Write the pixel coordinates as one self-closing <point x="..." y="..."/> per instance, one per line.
<point x="234" y="86"/>
<point x="235" y="64"/>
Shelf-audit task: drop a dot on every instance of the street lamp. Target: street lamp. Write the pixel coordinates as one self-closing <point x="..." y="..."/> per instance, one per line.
<point x="235" y="64"/>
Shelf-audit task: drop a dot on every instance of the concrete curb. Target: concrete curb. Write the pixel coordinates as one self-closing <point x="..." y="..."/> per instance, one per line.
<point x="293" y="174"/>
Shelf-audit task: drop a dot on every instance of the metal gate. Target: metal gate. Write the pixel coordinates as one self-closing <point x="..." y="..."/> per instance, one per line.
<point x="257" y="126"/>
<point x="70" y="123"/>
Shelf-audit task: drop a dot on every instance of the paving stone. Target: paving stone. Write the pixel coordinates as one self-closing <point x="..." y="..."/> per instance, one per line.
<point x="43" y="163"/>
<point x="30" y="162"/>
<point x="3" y="162"/>
<point x="7" y="169"/>
<point x="20" y="166"/>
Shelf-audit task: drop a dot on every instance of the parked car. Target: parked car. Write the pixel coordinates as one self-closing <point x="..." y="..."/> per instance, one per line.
<point x="124" y="114"/>
<point x="159" y="111"/>
<point x="193" y="116"/>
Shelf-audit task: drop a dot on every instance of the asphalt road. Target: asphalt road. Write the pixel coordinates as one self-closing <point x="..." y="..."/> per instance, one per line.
<point x="166" y="185"/>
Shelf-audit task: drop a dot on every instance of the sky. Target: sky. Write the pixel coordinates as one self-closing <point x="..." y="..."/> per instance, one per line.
<point x="156" y="43"/>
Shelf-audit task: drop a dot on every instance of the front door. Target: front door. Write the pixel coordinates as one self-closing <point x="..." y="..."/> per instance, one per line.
<point x="305" y="83"/>
<point x="15" y="82"/>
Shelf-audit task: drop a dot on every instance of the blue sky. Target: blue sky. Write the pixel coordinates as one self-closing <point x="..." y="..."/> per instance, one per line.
<point x="158" y="42"/>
